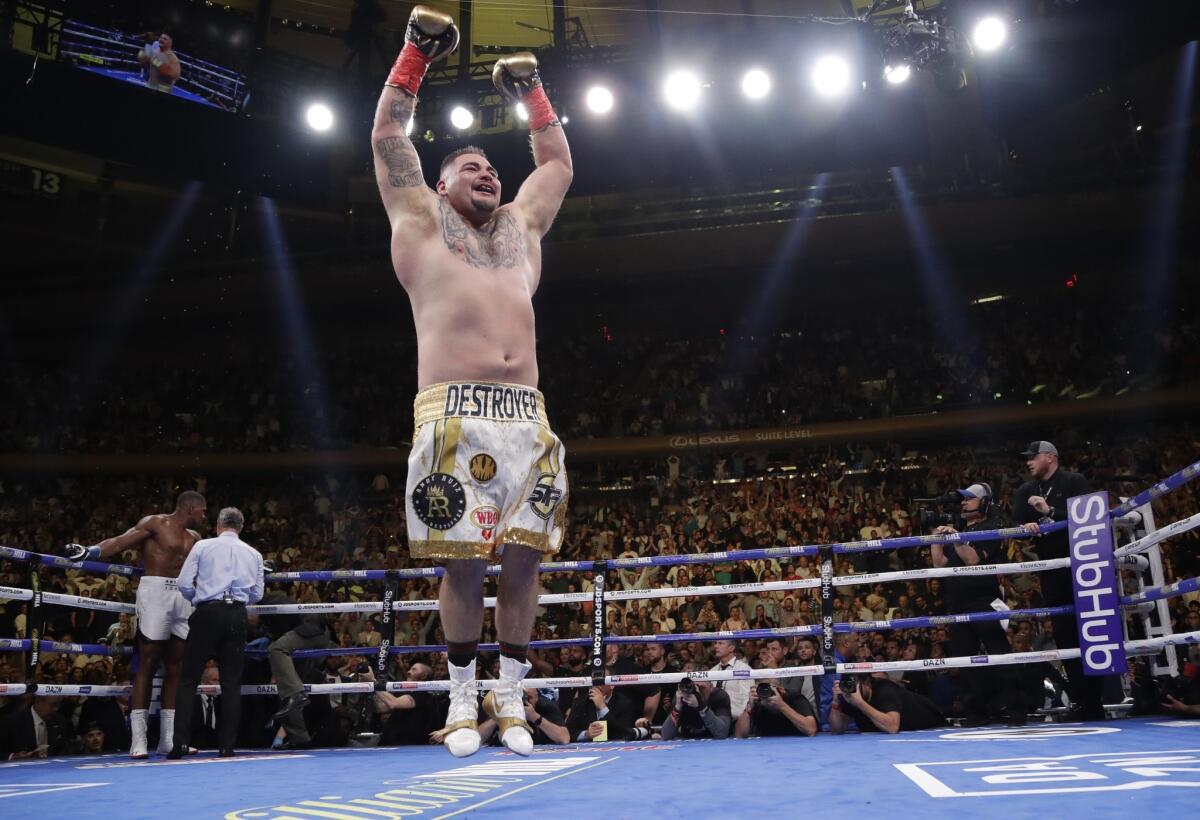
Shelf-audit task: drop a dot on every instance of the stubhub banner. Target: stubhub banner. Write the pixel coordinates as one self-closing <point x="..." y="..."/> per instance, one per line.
<point x="1097" y="590"/>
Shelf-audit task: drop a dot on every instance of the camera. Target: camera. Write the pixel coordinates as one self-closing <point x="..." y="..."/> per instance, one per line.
<point x="363" y="668"/>
<point x="637" y="733"/>
<point x="765" y="690"/>
<point x="848" y="684"/>
<point x="932" y="511"/>
<point x="687" y="686"/>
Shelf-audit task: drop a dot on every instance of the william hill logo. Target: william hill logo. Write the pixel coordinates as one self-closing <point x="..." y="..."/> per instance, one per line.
<point x="452" y="790"/>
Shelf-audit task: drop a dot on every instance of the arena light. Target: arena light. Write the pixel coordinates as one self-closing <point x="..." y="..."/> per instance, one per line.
<point x="461" y="118"/>
<point x="831" y="76"/>
<point x="599" y="100"/>
<point x="319" y="117"/>
<point x="756" y="83"/>
<point x="989" y="34"/>
<point x="408" y="129"/>
<point x="522" y="112"/>
<point x="681" y="90"/>
<point x="897" y="74"/>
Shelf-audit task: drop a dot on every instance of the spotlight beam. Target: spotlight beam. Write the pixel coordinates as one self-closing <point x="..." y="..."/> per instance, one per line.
<point x="101" y="348"/>
<point x="935" y="273"/>
<point x="315" y="416"/>
<point x="1161" y="233"/>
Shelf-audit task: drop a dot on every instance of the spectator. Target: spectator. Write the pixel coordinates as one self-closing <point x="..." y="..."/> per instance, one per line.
<point x="606" y="712"/>
<point x="36" y="730"/>
<point x="725" y="652"/>
<point x="91" y="740"/>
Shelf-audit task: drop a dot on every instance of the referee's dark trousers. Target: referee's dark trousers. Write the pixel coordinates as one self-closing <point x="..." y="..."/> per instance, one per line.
<point x="215" y="630"/>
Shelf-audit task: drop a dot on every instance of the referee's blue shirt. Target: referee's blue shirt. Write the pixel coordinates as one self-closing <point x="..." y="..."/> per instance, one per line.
<point x="219" y="565"/>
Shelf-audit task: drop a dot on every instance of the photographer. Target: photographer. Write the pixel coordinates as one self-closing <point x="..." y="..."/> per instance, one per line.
<point x="774" y="712"/>
<point x="543" y="716"/>
<point x="878" y="705"/>
<point x="700" y="710"/>
<point x="992" y="691"/>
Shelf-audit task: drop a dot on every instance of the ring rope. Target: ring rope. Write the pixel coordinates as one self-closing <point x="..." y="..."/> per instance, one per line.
<point x="1166" y="591"/>
<point x="927" y="621"/>
<point x="1153" y="539"/>
<point x="25" y="644"/>
<point x="1148" y="646"/>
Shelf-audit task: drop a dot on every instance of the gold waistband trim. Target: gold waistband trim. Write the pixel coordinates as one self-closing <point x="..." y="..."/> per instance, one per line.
<point x="488" y="401"/>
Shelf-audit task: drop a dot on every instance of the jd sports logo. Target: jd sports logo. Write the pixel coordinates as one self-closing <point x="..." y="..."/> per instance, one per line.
<point x="439" y="501"/>
<point x="545" y="496"/>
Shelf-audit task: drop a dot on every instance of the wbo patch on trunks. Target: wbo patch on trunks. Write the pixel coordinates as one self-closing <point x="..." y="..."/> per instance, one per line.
<point x="439" y="501"/>
<point x="483" y="468"/>
<point x="545" y="496"/>
<point x="487" y="518"/>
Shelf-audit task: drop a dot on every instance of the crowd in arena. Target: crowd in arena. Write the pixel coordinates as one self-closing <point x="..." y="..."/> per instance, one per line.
<point x="647" y="383"/>
<point x="320" y="521"/>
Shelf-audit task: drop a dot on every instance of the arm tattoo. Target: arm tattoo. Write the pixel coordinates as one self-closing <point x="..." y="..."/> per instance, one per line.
<point x="401" y="108"/>
<point x="403" y="166"/>
<point x="500" y="245"/>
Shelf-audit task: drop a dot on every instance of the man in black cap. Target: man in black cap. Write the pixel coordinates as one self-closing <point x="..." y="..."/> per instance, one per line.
<point x="990" y="691"/>
<point x="1041" y="501"/>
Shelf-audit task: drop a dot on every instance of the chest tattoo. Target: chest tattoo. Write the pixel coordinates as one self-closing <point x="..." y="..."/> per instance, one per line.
<point x="501" y="245"/>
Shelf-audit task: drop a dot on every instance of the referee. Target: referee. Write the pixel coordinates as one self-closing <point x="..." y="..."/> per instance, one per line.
<point x="220" y="576"/>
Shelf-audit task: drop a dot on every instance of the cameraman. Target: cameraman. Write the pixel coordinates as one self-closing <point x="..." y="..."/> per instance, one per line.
<point x="774" y="712"/>
<point x="992" y="690"/>
<point x="700" y="710"/>
<point x="878" y="705"/>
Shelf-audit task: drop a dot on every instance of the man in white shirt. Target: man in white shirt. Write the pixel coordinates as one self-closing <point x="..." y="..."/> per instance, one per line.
<point x="220" y="576"/>
<point x="738" y="690"/>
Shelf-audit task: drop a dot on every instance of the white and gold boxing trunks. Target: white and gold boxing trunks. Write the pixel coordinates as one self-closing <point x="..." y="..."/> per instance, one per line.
<point x="485" y="470"/>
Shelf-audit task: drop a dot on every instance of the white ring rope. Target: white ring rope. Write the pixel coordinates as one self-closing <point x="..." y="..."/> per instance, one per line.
<point x="945" y="572"/>
<point x="1148" y="646"/>
<point x="1170" y="531"/>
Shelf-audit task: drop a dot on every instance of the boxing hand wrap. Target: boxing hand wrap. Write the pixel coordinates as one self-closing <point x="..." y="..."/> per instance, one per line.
<point x="409" y="69"/>
<point x="541" y="113"/>
<point x="430" y="36"/>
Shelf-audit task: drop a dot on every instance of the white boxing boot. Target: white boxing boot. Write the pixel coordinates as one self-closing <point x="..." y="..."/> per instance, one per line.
<point x="461" y="734"/>
<point x="506" y="705"/>
<point x="137" y="728"/>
